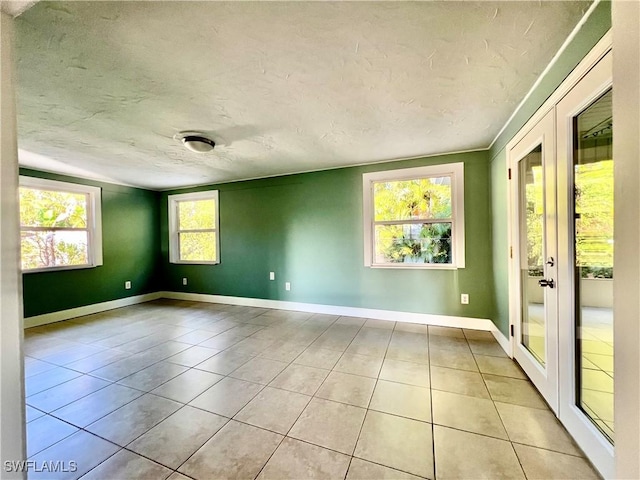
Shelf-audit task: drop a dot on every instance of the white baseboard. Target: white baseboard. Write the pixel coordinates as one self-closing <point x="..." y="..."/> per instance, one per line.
<point x="88" y="309"/>
<point x="422" y="318"/>
<point x="390" y="315"/>
<point x="503" y="341"/>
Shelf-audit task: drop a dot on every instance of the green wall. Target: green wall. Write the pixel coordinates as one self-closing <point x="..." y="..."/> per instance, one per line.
<point x="591" y="32"/>
<point x="308" y="229"/>
<point x="131" y="251"/>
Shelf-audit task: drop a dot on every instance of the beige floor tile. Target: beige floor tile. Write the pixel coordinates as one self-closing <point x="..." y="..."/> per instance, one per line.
<point x="176" y="438"/>
<point x="401" y="399"/>
<point x="92" y="407"/>
<point x="462" y="455"/>
<point x="284" y="352"/>
<point x="236" y="451"/>
<point x="85" y="449"/>
<point x="188" y="385"/>
<point x="384" y="324"/>
<point x="318" y="357"/>
<point x="98" y="360"/>
<point x="363" y="470"/>
<point x="44" y="432"/>
<point x="472" y="414"/>
<point x="411" y="327"/>
<point x="45" y="380"/>
<point x="346" y="388"/>
<point x="351" y="321"/>
<point x="458" y="381"/>
<point x="259" y="370"/>
<point x="541" y="464"/>
<point x="535" y="427"/>
<point x="299" y="460"/>
<point x="274" y="409"/>
<point x="195" y="337"/>
<point x="300" y="378"/>
<point x="499" y="366"/>
<point x="409" y="352"/>
<point x="222" y="341"/>
<point x="486" y="347"/>
<point x="329" y="424"/>
<point x="125" y="464"/>
<point x="153" y="376"/>
<point x="251" y="346"/>
<point x="460" y="360"/>
<point x="132" y="420"/>
<point x="178" y="476"/>
<point x="32" y="413"/>
<point x="65" y="393"/>
<point x="444" y="342"/>
<point x="405" y="372"/>
<point x="512" y="390"/>
<point x="359" y="365"/>
<point x="396" y="442"/>
<point x="192" y="356"/>
<point x="224" y="363"/>
<point x="446" y="331"/>
<point x="478" y="334"/>
<point x="227" y="397"/>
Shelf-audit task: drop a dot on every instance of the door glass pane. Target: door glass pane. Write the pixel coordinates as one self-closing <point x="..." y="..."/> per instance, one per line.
<point x="532" y="254"/>
<point x="593" y="209"/>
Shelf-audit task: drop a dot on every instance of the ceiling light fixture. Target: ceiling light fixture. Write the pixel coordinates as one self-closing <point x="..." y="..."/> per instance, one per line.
<point x="198" y="144"/>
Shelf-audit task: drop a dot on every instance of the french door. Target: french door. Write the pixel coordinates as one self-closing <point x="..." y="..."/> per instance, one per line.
<point x="535" y="257"/>
<point x="562" y="262"/>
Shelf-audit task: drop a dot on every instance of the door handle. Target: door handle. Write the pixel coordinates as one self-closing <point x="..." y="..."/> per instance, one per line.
<point x="547" y="282"/>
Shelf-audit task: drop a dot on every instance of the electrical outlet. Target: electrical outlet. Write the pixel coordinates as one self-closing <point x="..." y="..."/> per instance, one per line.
<point x="464" y="298"/>
<point x="287" y="286"/>
<point x="272" y="275"/>
<point x="127" y="285"/>
<point x="184" y="280"/>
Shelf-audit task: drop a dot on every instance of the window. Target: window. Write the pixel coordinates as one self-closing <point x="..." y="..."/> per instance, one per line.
<point x="194" y="228"/>
<point x="60" y="225"/>
<point x="414" y="217"/>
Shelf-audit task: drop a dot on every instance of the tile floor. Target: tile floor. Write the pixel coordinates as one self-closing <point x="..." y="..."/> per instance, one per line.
<point x="184" y="390"/>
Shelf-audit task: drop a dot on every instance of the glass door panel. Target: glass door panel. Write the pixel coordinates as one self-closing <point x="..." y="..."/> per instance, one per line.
<point x="532" y="248"/>
<point x="593" y="257"/>
<point x="535" y="248"/>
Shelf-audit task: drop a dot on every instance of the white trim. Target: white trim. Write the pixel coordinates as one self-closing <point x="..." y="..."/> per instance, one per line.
<point x="502" y="340"/>
<point x="174" y="239"/>
<point x="553" y="99"/>
<point x="390" y="315"/>
<point x="94" y="217"/>
<point x="88" y="309"/>
<point x="453" y="170"/>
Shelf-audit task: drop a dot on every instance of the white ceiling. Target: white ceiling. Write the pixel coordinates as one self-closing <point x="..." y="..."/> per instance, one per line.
<point x="281" y="87"/>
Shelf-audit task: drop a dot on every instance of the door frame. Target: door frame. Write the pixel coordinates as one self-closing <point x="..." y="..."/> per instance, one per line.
<point x="545" y="378"/>
<point x="597" y="449"/>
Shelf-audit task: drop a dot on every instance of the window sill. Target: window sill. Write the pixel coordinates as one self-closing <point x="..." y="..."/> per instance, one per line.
<point x="58" y="269"/>
<point x="417" y="266"/>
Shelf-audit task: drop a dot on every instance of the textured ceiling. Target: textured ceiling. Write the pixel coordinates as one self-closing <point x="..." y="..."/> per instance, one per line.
<point x="103" y="87"/>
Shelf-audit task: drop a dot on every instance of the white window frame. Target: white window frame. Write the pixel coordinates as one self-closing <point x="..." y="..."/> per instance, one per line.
<point x="453" y="170"/>
<point x="174" y="232"/>
<point x="94" y="219"/>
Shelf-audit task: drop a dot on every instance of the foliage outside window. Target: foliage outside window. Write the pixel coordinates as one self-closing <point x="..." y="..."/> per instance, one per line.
<point x="594" y="221"/>
<point x="60" y="225"/>
<point x="415" y="217"/>
<point x="194" y="228"/>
